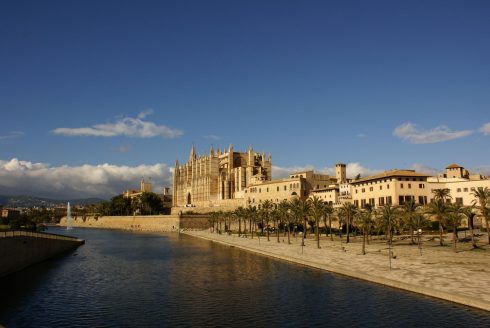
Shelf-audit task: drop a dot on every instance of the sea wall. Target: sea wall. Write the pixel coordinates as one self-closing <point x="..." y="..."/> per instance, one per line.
<point x="20" y="249"/>
<point x="156" y="223"/>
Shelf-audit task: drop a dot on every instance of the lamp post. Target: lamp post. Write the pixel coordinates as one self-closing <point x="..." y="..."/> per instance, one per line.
<point x="420" y="245"/>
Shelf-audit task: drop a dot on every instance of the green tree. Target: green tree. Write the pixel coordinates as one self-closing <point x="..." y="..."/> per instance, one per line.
<point x="300" y="209"/>
<point x="285" y="213"/>
<point x="468" y="212"/>
<point x="266" y="215"/>
<point x="441" y="198"/>
<point x="410" y="211"/>
<point x="328" y="212"/>
<point x="482" y="203"/>
<point x="347" y="212"/>
<point x="316" y="211"/>
<point x="438" y="210"/>
<point x="454" y="218"/>
<point x="364" y="221"/>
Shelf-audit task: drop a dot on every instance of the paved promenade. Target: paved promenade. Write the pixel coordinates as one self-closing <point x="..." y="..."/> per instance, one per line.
<point x="462" y="277"/>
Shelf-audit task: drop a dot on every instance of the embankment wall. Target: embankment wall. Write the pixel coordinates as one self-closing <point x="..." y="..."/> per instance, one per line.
<point x="20" y="249"/>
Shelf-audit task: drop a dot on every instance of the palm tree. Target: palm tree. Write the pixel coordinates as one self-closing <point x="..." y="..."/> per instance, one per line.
<point x="285" y="214"/>
<point x="301" y="209"/>
<point x="409" y="213"/>
<point x="316" y="211"/>
<point x="364" y="220"/>
<point x="387" y="221"/>
<point x="347" y="211"/>
<point x="443" y="196"/>
<point x="328" y="211"/>
<point x="482" y="196"/>
<point x="454" y="218"/>
<point x="265" y="213"/>
<point x="438" y="210"/>
<point x="239" y="213"/>
<point x="470" y="214"/>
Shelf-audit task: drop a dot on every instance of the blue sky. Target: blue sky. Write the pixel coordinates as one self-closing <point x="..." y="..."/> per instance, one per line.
<point x="384" y="84"/>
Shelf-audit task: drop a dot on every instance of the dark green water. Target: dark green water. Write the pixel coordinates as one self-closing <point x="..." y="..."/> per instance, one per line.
<point x="124" y="279"/>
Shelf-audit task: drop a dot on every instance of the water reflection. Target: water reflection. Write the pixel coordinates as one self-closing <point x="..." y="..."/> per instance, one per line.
<point x="127" y="279"/>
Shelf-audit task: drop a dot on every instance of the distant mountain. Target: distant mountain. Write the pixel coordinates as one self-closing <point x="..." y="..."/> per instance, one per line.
<point x="31" y="201"/>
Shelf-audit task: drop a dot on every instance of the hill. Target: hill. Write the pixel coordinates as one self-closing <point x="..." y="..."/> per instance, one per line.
<point x="32" y="201"/>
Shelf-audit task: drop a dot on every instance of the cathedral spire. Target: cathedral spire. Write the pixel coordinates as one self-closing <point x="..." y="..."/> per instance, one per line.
<point x="211" y="151"/>
<point x="192" y="155"/>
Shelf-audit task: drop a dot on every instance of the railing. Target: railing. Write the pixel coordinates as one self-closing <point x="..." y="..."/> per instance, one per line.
<point x="25" y="233"/>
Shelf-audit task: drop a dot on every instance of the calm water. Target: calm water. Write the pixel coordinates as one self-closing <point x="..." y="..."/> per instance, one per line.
<point x="124" y="279"/>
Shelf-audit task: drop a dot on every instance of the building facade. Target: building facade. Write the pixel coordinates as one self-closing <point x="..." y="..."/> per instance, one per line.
<point x="219" y="178"/>
<point x="394" y="187"/>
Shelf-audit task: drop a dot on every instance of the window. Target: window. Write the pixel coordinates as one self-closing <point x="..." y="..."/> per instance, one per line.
<point x="260" y="189"/>
<point x="388" y="200"/>
<point x="465" y="189"/>
<point x="317" y="186"/>
<point x="363" y="190"/>
<point x="363" y="203"/>
<point x="409" y="186"/>
<point x="285" y="187"/>
<point x="371" y="201"/>
<point x="401" y="200"/>
<point x="387" y="186"/>
<point x="277" y="188"/>
<point x="267" y="189"/>
<point x="472" y="188"/>
<point x="380" y="187"/>
<point x="401" y="185"/>
<point x="421" y="186"/>
<point x="381" y="201"/>
<point x="370" y="188"/>
<point x="356" y="203"/>
<point x="458" y="190"/>
<point x="459" y="200"/>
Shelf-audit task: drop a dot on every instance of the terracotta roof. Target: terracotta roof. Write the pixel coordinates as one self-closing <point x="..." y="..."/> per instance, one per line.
<point x="453" y="166"/>
<point x="392" y="173"/>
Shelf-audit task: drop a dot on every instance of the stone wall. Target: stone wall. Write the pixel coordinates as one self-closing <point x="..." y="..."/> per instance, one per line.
<point x="155" y="223"/>
<point x="194" y="222"/>
<point x="22" y="249"/>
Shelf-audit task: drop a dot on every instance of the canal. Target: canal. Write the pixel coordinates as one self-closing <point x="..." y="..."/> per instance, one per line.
<point x="125" y="279"/>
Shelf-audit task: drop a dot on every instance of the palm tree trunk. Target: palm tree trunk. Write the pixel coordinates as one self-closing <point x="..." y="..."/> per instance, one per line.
<point x="317" y="233"/>
<point x="455" y="236"/>
<point x="289" y="234"/>
<point x="363" y="243"/>
<point x="325" y="225"/>
<point x="277" y="230"/>
<point x="304" y="234"/>
<point x="488" y="230"/>
<point x="330" y="227"/>
<point x="441" y="230"/>
<point x="411" y="235"/>
<point x="348" y="223"/>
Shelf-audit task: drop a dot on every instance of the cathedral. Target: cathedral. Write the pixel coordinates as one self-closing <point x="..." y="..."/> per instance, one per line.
<point x="220" y="178"/>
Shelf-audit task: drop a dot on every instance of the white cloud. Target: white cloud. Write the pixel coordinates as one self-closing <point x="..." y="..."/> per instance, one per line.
<point x="485" y="129"/>
<point x="12" y="135"/>
<point x="126" y="126"/>
<point x="410" y="133"/>
<point x="62" y="182"/>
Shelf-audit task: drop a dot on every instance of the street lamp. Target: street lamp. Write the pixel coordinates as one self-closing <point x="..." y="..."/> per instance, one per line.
<point x="420" y="245"/>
